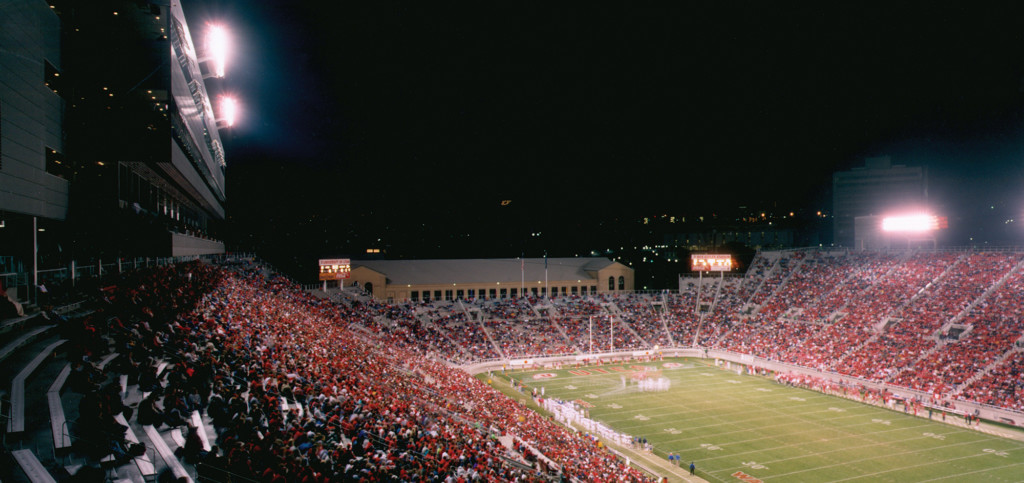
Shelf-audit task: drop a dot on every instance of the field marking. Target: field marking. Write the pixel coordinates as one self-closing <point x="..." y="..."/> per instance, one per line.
<point x="865" y="436"/>
<point x="820" y="399"/>
<point x="671" y="400"/>
<point x="878" y="443"/>
<point x="789" y="422"/>
<point x="955" y="430"/>
<point x="857" y="409"/>
<point x="830" y="440"/>
<point x="754" y="397"/>
<point x="744" y="421"/>
<point x="944" y="461"/>
<point x="957" y="476"/>
<point x="847" y="463"/>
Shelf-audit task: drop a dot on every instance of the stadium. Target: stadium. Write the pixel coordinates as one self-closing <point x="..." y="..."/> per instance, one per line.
<point x="889" y="363"/>
<point x="138" y="344"/>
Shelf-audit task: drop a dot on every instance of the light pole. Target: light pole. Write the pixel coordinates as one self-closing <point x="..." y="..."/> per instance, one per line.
<point x="611" y="334"/>
<point x="591" y="334"/>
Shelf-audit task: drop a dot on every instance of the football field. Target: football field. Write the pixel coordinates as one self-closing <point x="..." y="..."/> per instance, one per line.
<point x="747" y="428"/>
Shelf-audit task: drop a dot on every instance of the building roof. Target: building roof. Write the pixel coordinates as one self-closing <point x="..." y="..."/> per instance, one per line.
<point x="484" y="270"/>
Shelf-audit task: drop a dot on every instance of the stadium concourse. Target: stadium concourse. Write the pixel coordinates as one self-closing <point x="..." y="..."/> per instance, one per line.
<point x="272" y="383"/>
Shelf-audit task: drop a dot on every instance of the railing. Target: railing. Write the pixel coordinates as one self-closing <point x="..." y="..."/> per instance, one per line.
<point x="57" y="278"/>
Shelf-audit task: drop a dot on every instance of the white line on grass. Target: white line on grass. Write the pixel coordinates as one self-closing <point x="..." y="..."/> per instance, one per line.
<point x="890" y="470"/>
<point x="959" y="476"/>
<point x="726" y="392"/>
<point x="830" y="440"/>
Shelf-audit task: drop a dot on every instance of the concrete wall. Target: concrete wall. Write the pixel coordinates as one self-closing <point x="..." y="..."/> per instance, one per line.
<point x="31" y="115"/>
<point x="187" y="245"/>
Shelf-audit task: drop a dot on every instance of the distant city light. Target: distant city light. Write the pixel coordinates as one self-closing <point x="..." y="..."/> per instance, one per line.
<point x="910" y="223"/>
<point x="218" y="45"/>
<point x="228" y="109"/>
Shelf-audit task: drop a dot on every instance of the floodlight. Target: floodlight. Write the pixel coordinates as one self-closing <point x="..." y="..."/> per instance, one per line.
<point x="910" y="223"/>
<point x="228" y="110"/>
<point x="218" y="46"/>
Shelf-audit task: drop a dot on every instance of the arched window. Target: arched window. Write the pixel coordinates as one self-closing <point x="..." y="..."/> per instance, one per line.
<point x="611" y="283"/>
<point x="369" y="288"/>
<point x="622" y="282"/>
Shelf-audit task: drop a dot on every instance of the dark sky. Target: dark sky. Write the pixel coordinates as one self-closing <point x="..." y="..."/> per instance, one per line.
<point x="411" y="114"/>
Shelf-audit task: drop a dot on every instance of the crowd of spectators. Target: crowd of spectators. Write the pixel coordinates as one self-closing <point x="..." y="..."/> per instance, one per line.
<point x="991" y="325"/>
<point x="643" y="313"/>
<point x="302" y="389"/>
<point x="779" y="274"/>
<point x="372" y="395"/>
<point x="1002" y="387"/>
<point x="873" y="315"/>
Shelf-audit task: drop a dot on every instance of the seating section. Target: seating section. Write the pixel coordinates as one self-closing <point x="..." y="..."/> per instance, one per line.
<point x="31" y="466"/>
<point x="238" y="372"/>
<point x="16" y="424"/>
<point x="58" y="423"/>
<point x="875" y="315"/>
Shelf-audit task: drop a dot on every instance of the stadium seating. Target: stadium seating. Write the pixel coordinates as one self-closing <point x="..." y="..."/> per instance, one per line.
<point x="300" y="388"/>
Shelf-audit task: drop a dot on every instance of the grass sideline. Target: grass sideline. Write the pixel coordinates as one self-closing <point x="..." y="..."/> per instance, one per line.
<point x="648" y="462"/>
<point x="748" y="428"/>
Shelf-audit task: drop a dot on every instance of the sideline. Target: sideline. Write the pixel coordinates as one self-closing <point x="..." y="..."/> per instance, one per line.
<point x="640" y="459"/>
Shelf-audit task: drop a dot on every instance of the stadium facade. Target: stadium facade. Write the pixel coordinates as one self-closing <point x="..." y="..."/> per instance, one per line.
<point x="497" y="278"/>
<point x="109" y="140"/>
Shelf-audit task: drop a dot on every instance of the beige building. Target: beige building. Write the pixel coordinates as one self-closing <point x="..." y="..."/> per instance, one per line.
<point x="400" y="280"/>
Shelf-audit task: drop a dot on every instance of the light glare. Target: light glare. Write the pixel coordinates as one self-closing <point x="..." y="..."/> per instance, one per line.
<point x="219" y="46"/>
<point x="910" y="223"/>
<point x="228" y="109"/>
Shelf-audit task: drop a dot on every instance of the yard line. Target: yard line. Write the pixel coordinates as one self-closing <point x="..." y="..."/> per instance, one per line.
<point x="830" y="440"/>
<point x="957" y="476"/>
<point x="810" y="412"/>
<point x="658" y="420"/>
<point x="925" y="450"/>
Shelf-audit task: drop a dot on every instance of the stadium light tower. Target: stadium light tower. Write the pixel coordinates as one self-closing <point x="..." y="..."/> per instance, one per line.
<point x="218" y="48"/>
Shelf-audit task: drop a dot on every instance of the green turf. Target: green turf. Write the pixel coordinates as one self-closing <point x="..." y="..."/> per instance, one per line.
<point x="730" y="423"/>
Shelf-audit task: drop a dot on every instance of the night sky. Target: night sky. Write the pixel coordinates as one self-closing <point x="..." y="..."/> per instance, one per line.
<point x="374" y="119"/>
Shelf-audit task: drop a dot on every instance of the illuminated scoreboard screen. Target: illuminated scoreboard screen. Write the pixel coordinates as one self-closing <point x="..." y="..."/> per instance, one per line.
<point x="335" y="269"/>
<point x="710" y="263"/>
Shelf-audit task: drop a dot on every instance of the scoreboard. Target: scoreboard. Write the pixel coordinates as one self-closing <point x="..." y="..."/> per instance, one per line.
<point x="710" y="263"/>
<point x="335" y="269"/>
